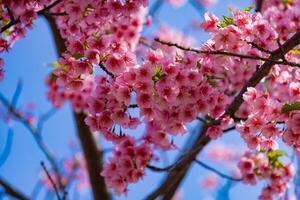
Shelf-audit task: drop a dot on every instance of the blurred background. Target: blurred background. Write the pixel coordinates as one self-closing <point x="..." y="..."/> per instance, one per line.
<point x="30" y="61"/>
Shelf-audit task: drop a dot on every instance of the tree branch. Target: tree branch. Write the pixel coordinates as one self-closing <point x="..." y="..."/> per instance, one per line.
<point x="259" y="5"/>
<point x="262" y="72"/>
<point x="89" y="143"/>
<point x="226" y="53"/>
<point x="204" y="165"/>
<point x="174" y="178"/>
<point x="35" y="133"/>
<point x="42" y="11"/>
<point x="51" y="180"/>
<point x="10" y="190"/>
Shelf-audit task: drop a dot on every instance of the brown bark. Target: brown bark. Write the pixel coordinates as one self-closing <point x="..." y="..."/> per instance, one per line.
<point x="88" y="140"/>
<point x="10" y="190"/>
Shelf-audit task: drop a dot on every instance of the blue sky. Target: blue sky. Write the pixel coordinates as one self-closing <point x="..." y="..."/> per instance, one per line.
<point x="29" y="61"/>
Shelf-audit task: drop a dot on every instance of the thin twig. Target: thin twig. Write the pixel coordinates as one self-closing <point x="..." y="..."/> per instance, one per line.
<point x="158" y="169"/>
<point x="17" y="94"/>
<point x="253" y="44"/>
<point x="35" y="133"/>
<point x="201" y="120"/>
<point x="226" y="53"/>
<point x="229" y="129"/>
<point x="204" y="165"/>
<point x="106" y="71"/>
<point x="44" y="118"/>
<point x="51" y="180"/>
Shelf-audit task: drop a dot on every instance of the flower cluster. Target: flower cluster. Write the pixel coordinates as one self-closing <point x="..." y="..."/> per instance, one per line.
<point x="170" y="85"/>
<point x="127" y="165"/>
<point x="266" y="165"/>
<point x="292" y="135"/>
<point x="260" y="129"/>
<point x="15" y="18"/>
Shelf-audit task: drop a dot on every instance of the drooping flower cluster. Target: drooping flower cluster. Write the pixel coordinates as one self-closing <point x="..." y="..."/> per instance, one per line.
<point x="127" y="165"/>
<point x="260" y="129"/>
<point x="257" y="166"/>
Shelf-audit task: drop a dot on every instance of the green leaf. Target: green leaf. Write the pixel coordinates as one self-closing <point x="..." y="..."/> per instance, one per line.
<point x="248" y="9"/>
<point x="295" y="51"/>
<point x="158" y="74"/>
<point x="226" y="21"/>
<point x="287" y="2"/>
<point x="78" y="56"/>
<point x="274" y="155"/>
<point x="290" y="107"/>
<point x="158" y="69"/>
<point x="59" y="66"/>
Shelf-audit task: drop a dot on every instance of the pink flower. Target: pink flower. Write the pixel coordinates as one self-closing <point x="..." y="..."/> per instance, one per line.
<point x="210" y="23"/>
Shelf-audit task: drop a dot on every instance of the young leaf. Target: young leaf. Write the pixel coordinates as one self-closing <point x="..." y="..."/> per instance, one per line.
<point x="287" y="2"/>
<point x="248" y="9"/>
<point x="295" y="51"/>
<point x="290" y="107"/>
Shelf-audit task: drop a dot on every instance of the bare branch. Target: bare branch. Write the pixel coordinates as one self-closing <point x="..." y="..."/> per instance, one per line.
<point x="10" y="190"/>
<point x="158" y="169"/>
<point x="106" y="71"/>
<point x="17" y="94"/>
<point x="35" y="133"/>
<point x="51" y="180"/>
<point x="44" y="118"/>
<point x="204" y="165"/>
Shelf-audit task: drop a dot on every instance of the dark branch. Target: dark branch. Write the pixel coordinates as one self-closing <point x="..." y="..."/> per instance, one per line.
<point x="262" y="72"/>
<point x="16" y="21"/>
<point x="106" y="71"/>
<point x="158" y="169"/>
<point x="225" y="53"/>
<point x="89" y="143"/>
<point x="259" y="5"/>
<point x="174" y="178"/>
<point x="51" y="180"/>
<point x="10" y="190"/>
<point x="216" y="171"/>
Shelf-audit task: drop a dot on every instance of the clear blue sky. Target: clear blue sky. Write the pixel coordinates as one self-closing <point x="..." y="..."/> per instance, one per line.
<point x="29" y="61"/>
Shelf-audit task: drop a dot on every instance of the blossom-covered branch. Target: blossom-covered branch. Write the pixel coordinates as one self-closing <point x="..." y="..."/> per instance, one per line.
<point x="173" y="180"/>
<point x="16" y="21"/>
<point x="225" y="53"/>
